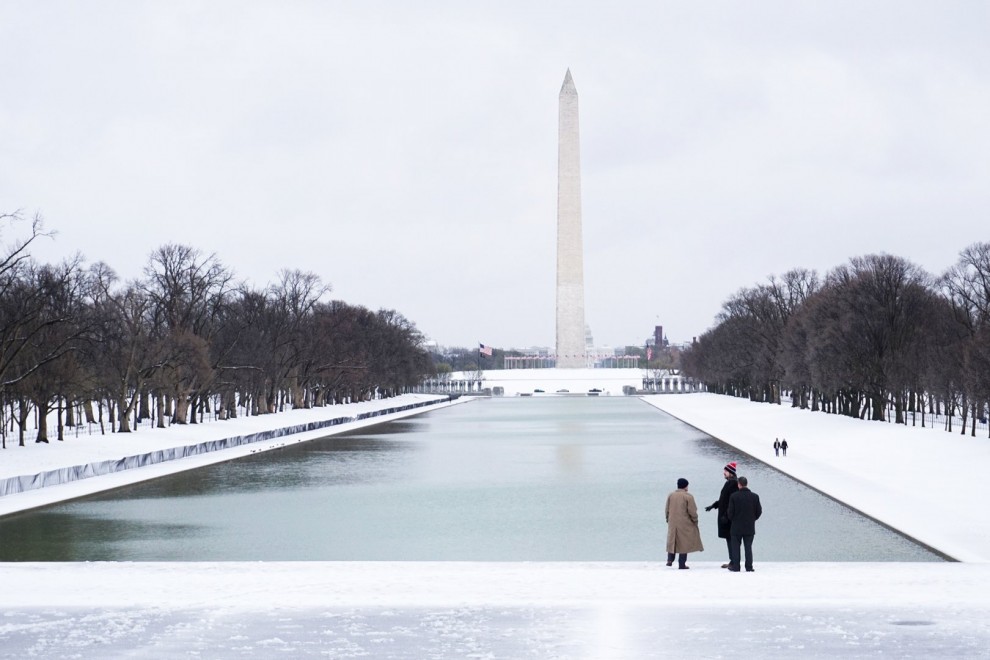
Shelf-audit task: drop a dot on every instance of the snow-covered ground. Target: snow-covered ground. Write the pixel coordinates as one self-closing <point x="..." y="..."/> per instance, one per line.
<point x="923" y="481"/>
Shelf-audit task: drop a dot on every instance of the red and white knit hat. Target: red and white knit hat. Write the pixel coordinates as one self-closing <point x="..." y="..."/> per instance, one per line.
<point x="731" y="467"/>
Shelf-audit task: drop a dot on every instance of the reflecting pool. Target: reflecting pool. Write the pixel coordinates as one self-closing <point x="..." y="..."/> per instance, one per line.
<point x="534" y="479"/>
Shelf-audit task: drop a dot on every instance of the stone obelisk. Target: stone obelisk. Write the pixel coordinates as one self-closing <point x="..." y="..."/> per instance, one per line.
<point x="571" y="351"/>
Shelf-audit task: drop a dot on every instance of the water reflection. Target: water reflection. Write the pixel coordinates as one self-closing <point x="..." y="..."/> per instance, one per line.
<point x="513" y="479"/>
<point x="570" y="458"/>
<point x="54" y="536"/>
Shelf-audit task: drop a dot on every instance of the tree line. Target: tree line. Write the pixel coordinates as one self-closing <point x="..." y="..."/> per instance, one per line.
<point x="182" y="341"/>
<point x="875" y="338"/>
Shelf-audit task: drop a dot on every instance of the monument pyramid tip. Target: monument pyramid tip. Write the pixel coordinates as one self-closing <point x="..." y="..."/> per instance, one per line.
<point x="568" y="82"/>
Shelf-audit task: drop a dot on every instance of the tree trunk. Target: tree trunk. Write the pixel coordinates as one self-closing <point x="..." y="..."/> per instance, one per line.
<point x="877" y="413"/>
<point x="160" y="408"/>
<point x="964" y="410"/>
<point x="23" y="412"/>
<point x="230" y="405"/>
<point x="180" y="415"/>
<point x="299" y="398"/>
<point x="125" y="414"/>
<point x="144" y="412"/>
<point x="263" y="404"/>
<point x="42" y="408"/>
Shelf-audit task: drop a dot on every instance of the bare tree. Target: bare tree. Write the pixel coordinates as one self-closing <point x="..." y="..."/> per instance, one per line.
<point x="865" y="328"/>
<point x="22" y="306"/>
<point x="759" y="317"/>
<point x="125" y="353"/>
<point x="293" y="300"/>
<point x="188" y="292"/>
<point x="966" y="285"/>
<point x="46" y="372"/>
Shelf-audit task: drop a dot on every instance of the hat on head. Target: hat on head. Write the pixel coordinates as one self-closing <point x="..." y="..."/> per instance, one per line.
<point x="731" y="467"/>
<point x="682" y="483"/>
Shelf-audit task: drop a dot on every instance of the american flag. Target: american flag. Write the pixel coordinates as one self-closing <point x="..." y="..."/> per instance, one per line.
<point x="485" y="350"/>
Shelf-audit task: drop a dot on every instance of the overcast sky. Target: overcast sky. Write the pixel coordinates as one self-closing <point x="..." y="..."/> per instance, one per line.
<point x="406" y="151"/>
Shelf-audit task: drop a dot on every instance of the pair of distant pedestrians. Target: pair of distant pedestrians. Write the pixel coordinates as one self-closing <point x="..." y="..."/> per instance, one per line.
<point x="739" y="508"/>
<point x="780" y="446"/>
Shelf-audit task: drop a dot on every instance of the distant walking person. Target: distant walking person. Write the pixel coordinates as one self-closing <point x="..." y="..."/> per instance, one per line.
<point x="776" y="447"/>
<point x="683" y="535"/>
<point x="783" y="446"/>
<point x="744" y="511"/>
<point x="722" y="504"/>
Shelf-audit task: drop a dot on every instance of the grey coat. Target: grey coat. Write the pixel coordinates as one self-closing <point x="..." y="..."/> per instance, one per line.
<point x="683" y="535"/>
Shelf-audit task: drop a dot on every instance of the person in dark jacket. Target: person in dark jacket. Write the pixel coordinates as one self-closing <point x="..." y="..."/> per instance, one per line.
<point x="722" y="504"/>
<point x="744" y="511"/>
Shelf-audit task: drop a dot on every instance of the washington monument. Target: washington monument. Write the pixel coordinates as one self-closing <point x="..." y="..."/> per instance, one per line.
<point x="570" y="252"/>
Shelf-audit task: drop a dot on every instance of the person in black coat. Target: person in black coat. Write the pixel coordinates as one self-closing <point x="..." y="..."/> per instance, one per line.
<point x="744" y="511"/>
<point x="722" y="504"/>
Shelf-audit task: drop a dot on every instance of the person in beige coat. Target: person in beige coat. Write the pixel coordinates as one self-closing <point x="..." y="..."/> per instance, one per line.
<point x="683" y="535"/>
